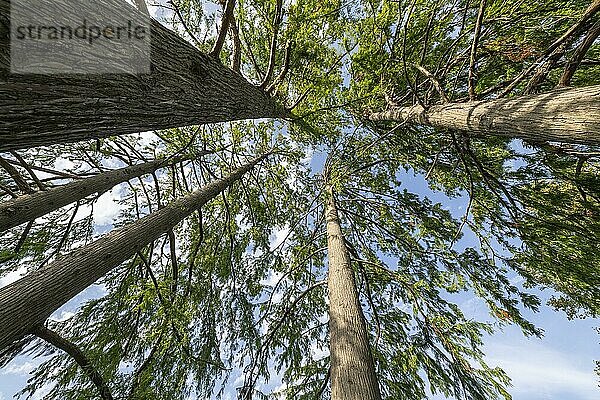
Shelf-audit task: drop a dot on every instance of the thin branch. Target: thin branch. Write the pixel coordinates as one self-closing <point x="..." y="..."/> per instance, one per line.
<point x="16" y="176"/>
<point x="25" y="165"/>
<point x="273" y="50"/>
<point x="225" y="19"/>
<point x="185" y="26"/>
<point x="71" y="349"/>
<point x="436" y="83"/>
<point x="284" y="70"/>
<point x="473" y="56"/>
<point x="573" y="30"/>
<point x="578" y="55"/>
<point x="236" y="56"/>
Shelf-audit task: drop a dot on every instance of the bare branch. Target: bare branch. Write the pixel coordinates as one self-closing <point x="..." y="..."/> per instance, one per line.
<point x="273" y="52"/>
<point x="25" y="165"/>
<point x="236" y="57"/>
<point x="71" y="349"/>
<point x="225" y="19"/>
<point x="284" y="69"/>
<point x="436" y="83"/>
<point x="16" y="176"/>
<point x="473" y="59"/>
<point x="579" y="54"/>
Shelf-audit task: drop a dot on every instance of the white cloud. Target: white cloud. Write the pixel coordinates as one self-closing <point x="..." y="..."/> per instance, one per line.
<point x="539" y="372"/>
<point x="18" y="369"/>
<point x="106" y="209"/>
<point x="12" y="277"/>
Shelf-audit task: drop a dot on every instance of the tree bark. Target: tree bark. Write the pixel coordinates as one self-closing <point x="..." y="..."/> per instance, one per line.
<point x="352" y="368"/>
<point x="579" y="54"/>
<point x="31" y="206"/>
<point x="184" y="87"/>
<point x="71" y="349"/>
<point x="28" y="302"/>
<point x="562" y="115"/>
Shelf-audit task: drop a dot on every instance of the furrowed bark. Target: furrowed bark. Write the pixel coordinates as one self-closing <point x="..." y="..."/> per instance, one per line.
<point x="184" y="87"/>
<point x="31" y="206"/>
<point x="28" y="302"/>
<point x="71" y="349"/>
<point x="352" y="369"/>
<point x="562" y="115"/>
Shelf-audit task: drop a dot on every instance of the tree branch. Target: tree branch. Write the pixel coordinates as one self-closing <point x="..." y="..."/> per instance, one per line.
<point x="473" y="57"/>
<point x="71" y="349"/>
<point x="273" y="51"/>
<point x="578" y="55"/>
<point x="225" y="19"/>
<point x="573" y="30"/>
<point x="436" y="83"/>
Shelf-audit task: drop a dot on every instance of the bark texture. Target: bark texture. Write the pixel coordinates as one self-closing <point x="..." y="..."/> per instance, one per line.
<point x="71" y="349"/>
<point x="185" y="87"/>
<point x="352" y="369"/>
<point x="562" y="115"/>
<point x="31" y="206"/>
<point x="28" y="302"/>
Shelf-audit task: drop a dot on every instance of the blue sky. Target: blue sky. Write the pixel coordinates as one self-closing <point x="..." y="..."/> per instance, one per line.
<point x="560" y="366"/>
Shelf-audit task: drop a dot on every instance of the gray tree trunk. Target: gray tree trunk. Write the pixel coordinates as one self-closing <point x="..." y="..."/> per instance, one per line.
<point x="31" y="206"/>
<point x="352" y="369"/>
<point x="184" y="87"/>
<point x="562" y="115"/>
<point x="28" y="302"/>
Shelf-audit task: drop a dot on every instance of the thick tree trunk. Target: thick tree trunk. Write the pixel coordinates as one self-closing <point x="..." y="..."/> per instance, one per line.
<point x="71" y="349"/>
<point x="562" y="115"/>
<point x="31" y="206"/>
<point x="28" y="302"/>
<point x="352" y="369"/>
<point x="184" y="87"/>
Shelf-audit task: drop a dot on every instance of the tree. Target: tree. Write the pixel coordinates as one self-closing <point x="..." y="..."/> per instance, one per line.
<point x="41" y="292"/>
<point x="568" y="116"/>
<point x="352" y="370"/>
<point x="184" y="87"/>
<point x="31" y="206"/>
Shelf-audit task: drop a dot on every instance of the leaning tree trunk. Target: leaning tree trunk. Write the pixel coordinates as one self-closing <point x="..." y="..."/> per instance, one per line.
<point x="562" y="115"/>
<point x="28" y="302"/>
<point x="31" y="206"/>
<point x="352" y="369"/>
<point x="183" y="87"/>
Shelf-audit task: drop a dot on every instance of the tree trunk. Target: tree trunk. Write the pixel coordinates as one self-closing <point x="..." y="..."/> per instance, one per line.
<point x="562" y="115"/>
<point x="71" y="349"/>
<point x="28" y="302"/>
<point x="31" y="206"/>
<point x="184" y="87"/>
<point x="352" y="369"/>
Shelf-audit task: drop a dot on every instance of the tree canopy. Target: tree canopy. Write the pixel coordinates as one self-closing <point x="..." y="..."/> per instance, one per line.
<point x="321" y="106"/>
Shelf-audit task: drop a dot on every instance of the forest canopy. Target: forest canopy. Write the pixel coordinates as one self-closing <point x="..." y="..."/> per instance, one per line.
<point x="300" y="192"/>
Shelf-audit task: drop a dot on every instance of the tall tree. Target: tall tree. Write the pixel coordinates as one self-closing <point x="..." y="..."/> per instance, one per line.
<point x="569" y="116"/>
<point x="184" y="87"/>
<point x="31" y="206"/>
<point x="41" y="292"/>
<point x="352" y="371"/>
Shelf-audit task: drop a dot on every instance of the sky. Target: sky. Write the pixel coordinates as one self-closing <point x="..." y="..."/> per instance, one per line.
<point x="560" y="366"/>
